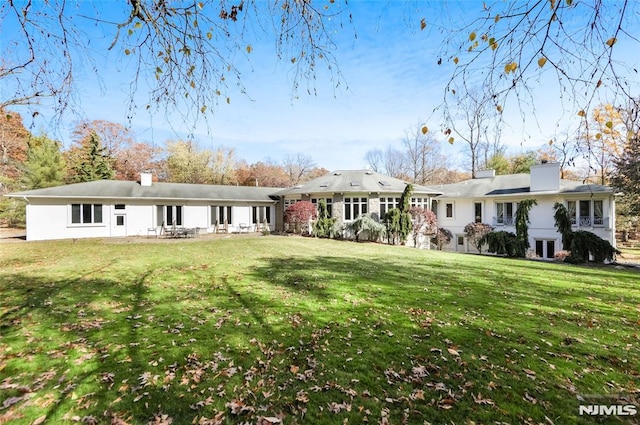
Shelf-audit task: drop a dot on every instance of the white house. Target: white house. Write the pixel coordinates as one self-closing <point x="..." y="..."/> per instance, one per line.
<point x="349" y="193"/>
<point x="493" y="200"/>
<point x="108" y="208"/>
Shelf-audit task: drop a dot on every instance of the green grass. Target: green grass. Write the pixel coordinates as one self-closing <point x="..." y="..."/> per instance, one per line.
<point x="308" y="331"/>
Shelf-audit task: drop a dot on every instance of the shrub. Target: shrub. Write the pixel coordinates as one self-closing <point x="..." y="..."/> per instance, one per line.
<point x="424" y="223"/>
<point x="561" y="255"/>
<point x="501" y="243"/>
<point x="298" y="215"/>
<point x="475" y="232"/>
<point x="365" y="223"/>
<point x="443" y="237"/>
<point x="586" y="245"/>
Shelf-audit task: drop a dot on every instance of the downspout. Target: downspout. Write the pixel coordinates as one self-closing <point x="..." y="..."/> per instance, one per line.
<point x="612" y="220"/>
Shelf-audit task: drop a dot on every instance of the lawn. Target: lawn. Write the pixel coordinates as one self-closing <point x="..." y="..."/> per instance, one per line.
<point x="298" y="330"/>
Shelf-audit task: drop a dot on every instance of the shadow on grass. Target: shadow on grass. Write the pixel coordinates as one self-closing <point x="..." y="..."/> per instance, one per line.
<point x="185" y="344"/>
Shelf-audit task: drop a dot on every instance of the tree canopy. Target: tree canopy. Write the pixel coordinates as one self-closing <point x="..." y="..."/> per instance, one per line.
<point x="184" y="54"/>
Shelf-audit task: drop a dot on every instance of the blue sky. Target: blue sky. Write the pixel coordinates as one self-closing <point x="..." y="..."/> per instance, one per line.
<point x="392" y="85"/>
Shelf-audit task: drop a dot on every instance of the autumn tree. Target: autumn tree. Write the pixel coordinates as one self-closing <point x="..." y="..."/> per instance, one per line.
<point x="512" y="48"/>
<point x="298" y="167"/>
<point x="512" y="164"/>
<point x="13" y="144"/>
<point x="266" y="174"/>
<point x="475" y="232"/>
<point x="130" y="157"/>
<point x="44" y="166"/>
<point x="186" y="163"/>
<point x="88" y="161"/>
<point x="13" y="152"/>
<point x="443" y="237"/>
<point x="186" y="53"/>
<point x="299" y="215"/>
<point x="424" y="222"/>
<point x="223" y="166"/>
<point x="603" y="141"/>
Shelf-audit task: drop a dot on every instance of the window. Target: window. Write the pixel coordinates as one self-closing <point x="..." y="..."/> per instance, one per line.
<point x="220" y="214"/>
<point x="169" y="215"/>
<point x="460" y="240"/>
<point x="119" y="220"/>
<point x="328" y="202"/>
<point x="119" y="206"/>
<point x="586" y="213"/>
<point x="571" y="209"/>
<point x="477" y="211"/>
<point x="504" y="213"/>
<point x="420" y="202"/>
<point x="388" y="203"/>
<point x="449" y="209"/>
<point x="260" y="214"/>
<point x="289" y="202"/>
<point x="545" y="248"/>
<point x="86" y="213"/>
<point x="353" y="207"/>
<point x="598" y="218"/>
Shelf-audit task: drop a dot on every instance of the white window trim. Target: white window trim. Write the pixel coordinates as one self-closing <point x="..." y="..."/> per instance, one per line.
<point x="351" y="204"/>
<point x="70" y="216"/>
<point x="512" y="219"/>
<point x="453" y="210"/>
<point x="588" y="222"/>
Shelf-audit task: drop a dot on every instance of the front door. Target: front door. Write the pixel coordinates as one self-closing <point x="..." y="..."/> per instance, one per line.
<point x="119" y="225"/>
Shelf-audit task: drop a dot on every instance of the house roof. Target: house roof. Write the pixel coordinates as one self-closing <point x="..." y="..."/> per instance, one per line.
<point x="512" y="184"/>
<point x="345" y="181"/>
<point x="113" y="189"/>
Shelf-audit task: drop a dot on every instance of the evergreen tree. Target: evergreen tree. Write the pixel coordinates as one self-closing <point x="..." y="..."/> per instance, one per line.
<point x="44" y="166"/>
<point x="522" y="225"/>
<point x="563" y="224"/>
<point x="90" y="161"/>
<point x="398" y="220"/>
<point x="626" y="178"/>
<point x="324" y="225"/>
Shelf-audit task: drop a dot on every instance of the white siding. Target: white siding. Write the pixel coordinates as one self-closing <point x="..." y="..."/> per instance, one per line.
<point x="542" y="224"/>
<point x="52" y="220"/>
